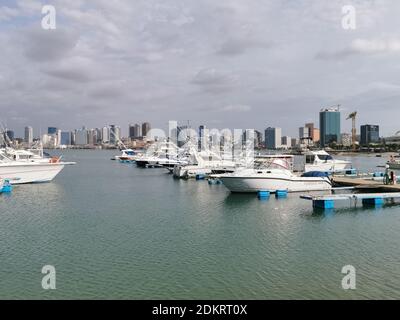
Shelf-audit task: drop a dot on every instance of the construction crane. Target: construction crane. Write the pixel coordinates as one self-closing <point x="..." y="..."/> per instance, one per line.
<point x="352" y="116"/>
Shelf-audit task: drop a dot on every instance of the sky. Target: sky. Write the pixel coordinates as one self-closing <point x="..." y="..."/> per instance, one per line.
<point x="226" y="63"/>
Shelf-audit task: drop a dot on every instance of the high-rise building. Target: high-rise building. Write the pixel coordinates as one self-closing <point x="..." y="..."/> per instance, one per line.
<point x="81" y="136"/>
<point x="137" y="132"/>
<point x="310" y="127"/>
<point x="99" y="136"/>
<point x="369" y="134"/>
<point x="273" y="138"/>
<point x="51" y="130"/>
<point x="316" y="135"/>
<point x="329" y="123"/>
<point x="173" y="131"/>
<point x="304" y="133"/>
<point x="115" y="134"/>
<point x="258" y="139"/>
<point x="10" y="135"/>
<point x="203" y="137"/>
<point x="145" y="129"/>
<point x="105" y="134"/>
<point x="65" y="138"/>
<point x="29" y="135"/>
<point x="286" y="142"/>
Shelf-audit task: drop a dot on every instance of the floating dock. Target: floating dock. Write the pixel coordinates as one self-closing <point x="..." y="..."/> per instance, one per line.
<point x="371" y="199"/>
<point x="359" y="183"/>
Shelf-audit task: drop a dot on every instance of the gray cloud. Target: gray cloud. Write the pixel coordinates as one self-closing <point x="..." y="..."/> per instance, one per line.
<point x="43" y="46"/>
<point x="231" y="63"/>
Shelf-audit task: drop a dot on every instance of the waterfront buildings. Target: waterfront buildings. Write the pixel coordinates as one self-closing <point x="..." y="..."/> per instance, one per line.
<point x="9" y="135"/>
<point x="346" y="140"/>
<point x="273" y="138"/>
<point x="369" y="134"/>
<point x="115" y="134"/>
<point x="134" y="131"/>
<point x="286" y="142"/>
<point x="28" y="135"/>
<point x="81" y="136"/>
<point x="51" y="130"/>
<point x="329" y="122"/>
<point x="203" y="137"/>
<point x="105" y="134"/>
<point x="65" y="139"/>
<point x="145" y="129"/>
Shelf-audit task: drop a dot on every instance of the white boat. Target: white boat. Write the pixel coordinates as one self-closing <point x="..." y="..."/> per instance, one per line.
<point x="126" y="155"/>
<point x="277" y="176"/>
<point x="323" y="161"/>
<point x="204" y="162"/>
<point x="22" y="166"/>
<point x="161" y="154"/>
<point x="394" y="164"/>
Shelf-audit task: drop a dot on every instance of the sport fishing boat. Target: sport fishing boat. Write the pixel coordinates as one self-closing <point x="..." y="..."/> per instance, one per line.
<point x="23" y="166"/>
<point x="275" y="177"/>
<point x="322" y="161"/>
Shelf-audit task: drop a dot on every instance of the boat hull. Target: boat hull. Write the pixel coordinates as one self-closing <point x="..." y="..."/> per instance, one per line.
<point x="394" y="165"/>
<point x="32" y="173"/>
<point x="255" y="184"/>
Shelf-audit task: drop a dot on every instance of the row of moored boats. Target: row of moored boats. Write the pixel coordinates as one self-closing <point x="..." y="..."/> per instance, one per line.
<point x="243" y="172"/>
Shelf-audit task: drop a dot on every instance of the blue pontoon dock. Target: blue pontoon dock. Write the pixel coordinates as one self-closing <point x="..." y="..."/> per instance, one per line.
<point x="328" y="201"/>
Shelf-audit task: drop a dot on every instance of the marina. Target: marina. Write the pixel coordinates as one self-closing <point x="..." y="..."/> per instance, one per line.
<point x="185" y="238"/>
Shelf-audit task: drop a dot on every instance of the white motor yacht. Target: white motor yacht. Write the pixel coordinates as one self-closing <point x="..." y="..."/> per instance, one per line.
<point x="22" y="166"/>
<point x="322" y="161"/>
<point x="277" y="176"/>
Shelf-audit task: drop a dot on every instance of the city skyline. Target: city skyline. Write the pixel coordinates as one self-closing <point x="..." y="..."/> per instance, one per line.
<point x="139" y="60"/>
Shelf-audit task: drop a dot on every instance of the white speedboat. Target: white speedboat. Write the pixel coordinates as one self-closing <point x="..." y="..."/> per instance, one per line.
<point x="22" y="166"/>
<point x="271" y="179"/>
<point x="323" y="161"/>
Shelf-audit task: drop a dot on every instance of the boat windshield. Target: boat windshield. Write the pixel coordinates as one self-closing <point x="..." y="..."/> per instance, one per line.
<point x="324" y="157"/>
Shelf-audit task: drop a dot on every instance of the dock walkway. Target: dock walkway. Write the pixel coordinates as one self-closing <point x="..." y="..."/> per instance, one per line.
<point x="365" y="184"/>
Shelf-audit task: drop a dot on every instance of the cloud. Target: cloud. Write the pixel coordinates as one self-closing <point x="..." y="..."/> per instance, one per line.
<point x="44" y="45"/>
<point x="214" y="80"/>
<point x="7" y="13"/>
<point x="236" y="46"/>
<point x="232" y="62"/>
<point x="236" y="108"/>
<point x="364" y="47"/>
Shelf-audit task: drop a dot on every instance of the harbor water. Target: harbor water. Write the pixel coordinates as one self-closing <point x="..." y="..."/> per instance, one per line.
<point x="115" y="231"/>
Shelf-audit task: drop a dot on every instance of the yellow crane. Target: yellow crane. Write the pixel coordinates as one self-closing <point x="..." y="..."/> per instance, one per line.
<point x="352" y="116"/>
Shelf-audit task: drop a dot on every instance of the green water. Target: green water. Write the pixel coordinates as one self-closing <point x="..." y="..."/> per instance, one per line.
<point x="116" y="231"/>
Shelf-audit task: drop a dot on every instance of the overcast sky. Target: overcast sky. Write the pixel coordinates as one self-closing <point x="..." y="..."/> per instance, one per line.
<point x="226" y="63"/>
